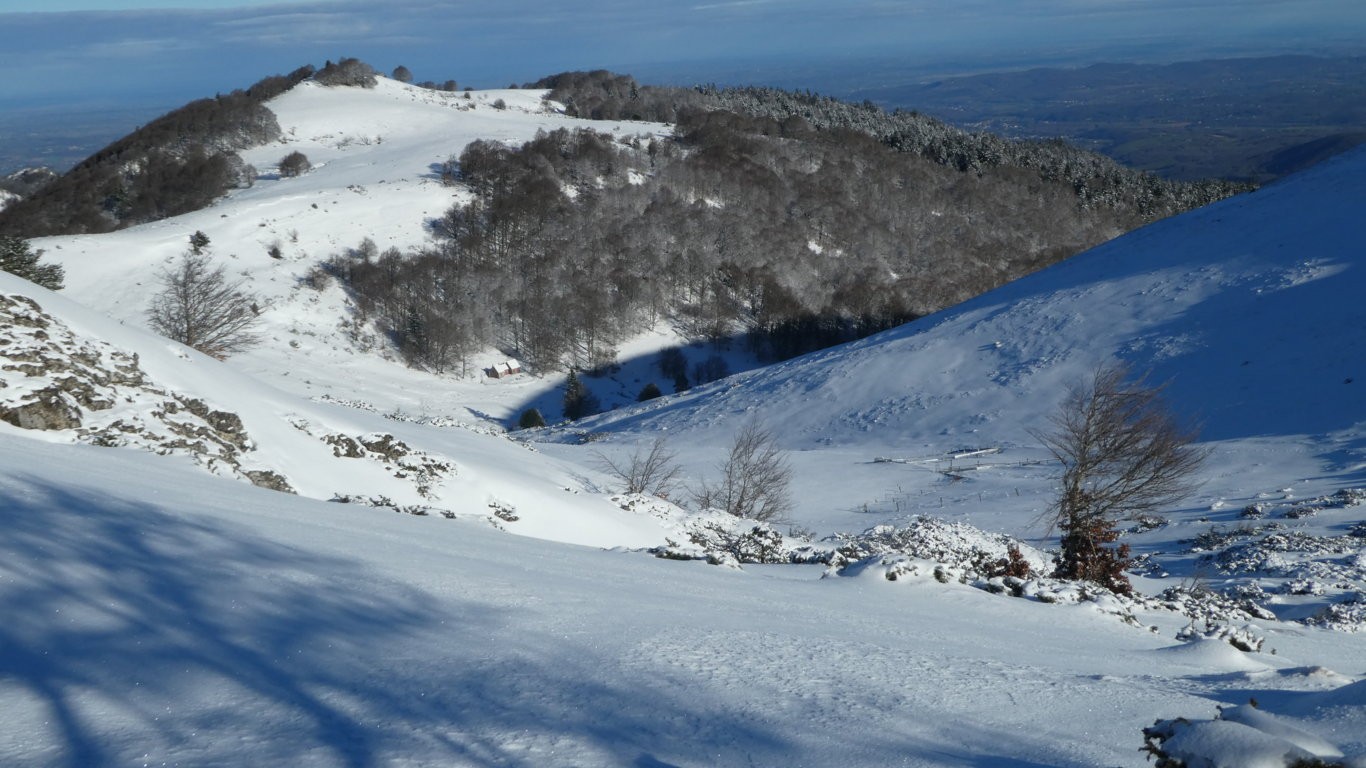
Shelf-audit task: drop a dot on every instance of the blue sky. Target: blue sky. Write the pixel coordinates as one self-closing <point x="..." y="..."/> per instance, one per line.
<point x="66" y="51"/>
<point x="24" y="6"/>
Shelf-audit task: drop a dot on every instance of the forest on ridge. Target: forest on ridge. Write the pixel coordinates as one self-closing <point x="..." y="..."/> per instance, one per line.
<point x="788" y="221"/>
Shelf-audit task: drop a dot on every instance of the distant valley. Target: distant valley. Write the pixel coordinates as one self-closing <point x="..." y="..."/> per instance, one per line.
<point x="1254" y="119"/>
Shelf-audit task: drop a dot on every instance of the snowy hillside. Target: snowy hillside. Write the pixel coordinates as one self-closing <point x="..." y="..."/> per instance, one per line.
<point x="375" y="154"/>
<point x="1249" y="309"/>
<point x="160" y="609"/>
<point x="157" y="615"/>
<point x="70" y="376"/>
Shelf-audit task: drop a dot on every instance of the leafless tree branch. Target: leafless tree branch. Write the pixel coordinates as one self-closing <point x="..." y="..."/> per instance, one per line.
<point x="652" y="470"/>
<point x="754" y="478"/>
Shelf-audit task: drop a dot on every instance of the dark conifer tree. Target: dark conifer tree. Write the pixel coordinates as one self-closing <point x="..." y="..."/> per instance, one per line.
<point x="531" y="419"/>
<point x="578" y="400"/>
<point x="18" y="259"/>
<point x="648" y="392"/>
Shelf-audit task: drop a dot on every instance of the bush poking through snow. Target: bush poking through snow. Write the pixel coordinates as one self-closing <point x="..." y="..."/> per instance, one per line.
<point x="18" y="259"/>
<point x="504" y="511"/>
<point x="1246" y="638"/>
<point x="648" y="392"/>
<point x="384" y="502"/>
<point x="531" y="419"/>
<point x="294" y="164"/>
<point x="1013" y="564"/>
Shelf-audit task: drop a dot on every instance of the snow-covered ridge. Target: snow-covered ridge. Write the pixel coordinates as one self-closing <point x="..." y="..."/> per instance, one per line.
<point x="1249" y="310"/>
<point x="375" y="155"/>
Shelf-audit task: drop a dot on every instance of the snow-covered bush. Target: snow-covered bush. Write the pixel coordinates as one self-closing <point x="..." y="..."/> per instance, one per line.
<point x="1238" y="737"/>
<point x="1347" y="616"/>
<point x="1246" y="638"/>
<point x="1216" y="606"/>
<point x="728" y="542"/>
<point x="956" y="544"/>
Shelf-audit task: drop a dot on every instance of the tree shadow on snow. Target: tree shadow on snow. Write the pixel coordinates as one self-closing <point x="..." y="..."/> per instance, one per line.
<point x="147" y="634"/>
<point x="158" y="611"/>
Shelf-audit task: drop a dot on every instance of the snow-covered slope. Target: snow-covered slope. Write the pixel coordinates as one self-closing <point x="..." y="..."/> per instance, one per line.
<point x="164" y="398"/>
<point x="156" y="615"/>
<point x="1249" y="307"/>
<point x="375" y="154"/>
<point x="1250" y="310"/>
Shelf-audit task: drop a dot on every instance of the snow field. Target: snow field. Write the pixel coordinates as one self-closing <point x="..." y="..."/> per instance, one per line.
<point x="162" y="615"/>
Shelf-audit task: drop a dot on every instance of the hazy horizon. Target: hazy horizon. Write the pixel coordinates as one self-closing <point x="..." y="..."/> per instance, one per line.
<point x="70" y="70"/>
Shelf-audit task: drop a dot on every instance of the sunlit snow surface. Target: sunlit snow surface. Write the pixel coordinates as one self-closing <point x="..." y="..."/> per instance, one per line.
<point x="155" y="614"/>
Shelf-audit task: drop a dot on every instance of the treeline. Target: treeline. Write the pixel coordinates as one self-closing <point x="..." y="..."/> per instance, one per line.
<point x="25" y="182"/>
<point x="1097" y="180"/>
<point x="790" y="237"/>
<point x="175" y="164"/>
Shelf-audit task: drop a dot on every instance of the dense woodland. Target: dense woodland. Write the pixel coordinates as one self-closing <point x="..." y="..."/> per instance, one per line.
<point x="786" y="220"/>
<point x="1097" y="180"/>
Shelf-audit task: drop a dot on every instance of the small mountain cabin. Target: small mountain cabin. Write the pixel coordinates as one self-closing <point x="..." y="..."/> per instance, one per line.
<point x="506" y="368"/>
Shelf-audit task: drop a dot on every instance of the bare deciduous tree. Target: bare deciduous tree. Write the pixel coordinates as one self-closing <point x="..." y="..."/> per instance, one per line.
<point x="1123" y="454"/>
<point x="198" y="307"/>
<point x="653" y="470"/>
<point x="754" y="478"/>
